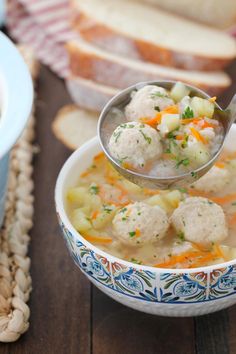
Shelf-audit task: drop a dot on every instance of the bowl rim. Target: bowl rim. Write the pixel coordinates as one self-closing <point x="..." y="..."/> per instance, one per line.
<point x="60" y="209"/>
<point x="16" y="91"/>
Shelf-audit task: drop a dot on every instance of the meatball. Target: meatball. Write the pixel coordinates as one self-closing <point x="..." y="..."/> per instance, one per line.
<point x="213" y="181"/>
<point x="200" y="220"/>
<point x="135" y="144"/>
<point x="146" y="103"/>
<point x="139" y="223"/>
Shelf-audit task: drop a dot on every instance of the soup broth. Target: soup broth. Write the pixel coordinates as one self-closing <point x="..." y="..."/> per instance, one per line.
<point x="101" y="193"/>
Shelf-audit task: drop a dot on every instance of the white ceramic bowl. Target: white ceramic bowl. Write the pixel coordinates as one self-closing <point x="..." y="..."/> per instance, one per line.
<point x="16" y="96"/>
<point x="166" y="292"/>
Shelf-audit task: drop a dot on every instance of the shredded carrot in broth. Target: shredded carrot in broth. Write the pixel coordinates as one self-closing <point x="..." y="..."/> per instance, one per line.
<point x="220" y="164"/>
<point x="94" y="214"/>
<point x="157" y="119"/>
<point x="225" y="199"/>
<point x="97" y="239"/>
<point x="190" y="120"/>
<point x="192" y="259"/>
<point x="232" y="220"/>
<point x="197" y="135"/>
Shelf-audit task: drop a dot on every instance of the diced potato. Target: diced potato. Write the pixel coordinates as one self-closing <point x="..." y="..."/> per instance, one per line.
<point x="94" y="201"/>
<point x="170" y="122"/>
<point x="203" y="107"/>
<point x="131" y="187"/>
<point x="104" y="217"/>
<point x="173" y="198"/>
<point x="77" y="195"/>
<point x="198" y="153"/>
<point x="86" y="210"/>
<point x="80" y="221"/>
<point x="178" y="91"/>
<point x="229" y="252"/>
<point x="158" y="200"/>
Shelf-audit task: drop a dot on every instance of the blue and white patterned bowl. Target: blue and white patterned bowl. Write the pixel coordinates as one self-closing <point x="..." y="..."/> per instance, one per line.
<point x="166" y="292"/>
<point x="16" y="96"/>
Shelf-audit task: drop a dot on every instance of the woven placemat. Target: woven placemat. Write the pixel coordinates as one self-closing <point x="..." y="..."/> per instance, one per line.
<point x="15" y="280"/>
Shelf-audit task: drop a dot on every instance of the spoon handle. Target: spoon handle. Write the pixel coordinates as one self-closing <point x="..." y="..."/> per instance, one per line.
<point x="232" y="110"/>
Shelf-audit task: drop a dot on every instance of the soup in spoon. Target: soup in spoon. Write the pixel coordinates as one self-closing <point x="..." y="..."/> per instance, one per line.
<point x="166" y="133"/>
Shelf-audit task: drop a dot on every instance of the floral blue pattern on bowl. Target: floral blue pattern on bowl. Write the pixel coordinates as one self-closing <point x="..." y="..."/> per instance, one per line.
<point x="159" y="286"/>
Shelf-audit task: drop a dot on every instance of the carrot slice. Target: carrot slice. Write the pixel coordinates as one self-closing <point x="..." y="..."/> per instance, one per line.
<point x="99" y="156"/>
<point x="224" y="200"/>
<point x="179" y="137"/>
<point x="190" y="120"/>
<point x="137" y="233"/>
<point x="97" y="239"/>
<point x="212" y="99"/>
<point x="85" y="174"/>
<point x="197" y="135"/>
<point x="220" y="164"/>
<point x="232" y="220"/>
<point x="157" y="119"/>
<point x="94" y="214"/>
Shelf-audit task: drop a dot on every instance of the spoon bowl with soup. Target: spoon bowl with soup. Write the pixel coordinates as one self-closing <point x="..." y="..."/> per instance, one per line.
<point x="164" y="134"/>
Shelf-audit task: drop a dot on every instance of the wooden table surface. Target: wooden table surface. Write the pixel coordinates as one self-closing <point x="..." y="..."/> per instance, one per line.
<point x="68" y="314"/>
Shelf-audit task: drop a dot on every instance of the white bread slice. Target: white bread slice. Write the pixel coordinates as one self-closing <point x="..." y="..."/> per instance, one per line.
<point x="89" y="94"/>
<point x="96" y="64"/>
<point x="73" y="126"/>
<point x="211" y="12"/>
<point x="144" y="32"/>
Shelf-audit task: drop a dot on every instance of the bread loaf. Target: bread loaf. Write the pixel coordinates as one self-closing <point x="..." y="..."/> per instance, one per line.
<point x="92" y="63"/>
<point x="146" y="33"/>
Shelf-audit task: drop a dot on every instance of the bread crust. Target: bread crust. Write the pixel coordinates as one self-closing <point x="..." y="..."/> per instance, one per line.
<point x="107" y="72"/>
<point x="106" y="38"/>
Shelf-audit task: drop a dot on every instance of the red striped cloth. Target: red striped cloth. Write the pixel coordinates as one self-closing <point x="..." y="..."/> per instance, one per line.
<point x="45" y="26"/>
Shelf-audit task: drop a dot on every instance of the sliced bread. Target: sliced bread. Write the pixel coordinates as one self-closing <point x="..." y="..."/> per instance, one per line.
<point x="209" y="12"/>
<point x="143" y="32"/>
<point x="96" y="64"/>
<point x="89" y="94"/>
<point x="73" y="126"/>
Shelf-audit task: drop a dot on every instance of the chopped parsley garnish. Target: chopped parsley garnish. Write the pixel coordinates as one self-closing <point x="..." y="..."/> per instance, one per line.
<point x="184" y="162"/>
<point x="194" y="174"/>
<point x="107" y="209"/>
<point x="132" y="233"/>
<point x="136" y="261"/>
<point x="157" y="108"/>
<point x="183" y="190"/>
<point x="234" y="203"/>
<point x="124" y="218"/>
<point x="147" y="138"/>
<point x="123" y="210"/>
<point x="170" y="135"/>
<point x="123" y="159"/>
<point x="158" y="94"/>
<point x="188" y="113"/>
<point x="181" y="236"/>
<point x="184" y="143"/>
<point x="94" y="189"/>
<point x="117" y="135"/>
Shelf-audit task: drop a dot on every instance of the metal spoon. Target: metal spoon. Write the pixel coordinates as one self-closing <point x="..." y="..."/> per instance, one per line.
<point x="108" y="122"/>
